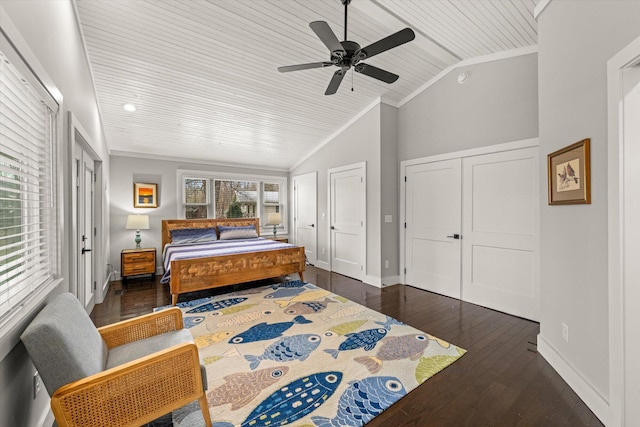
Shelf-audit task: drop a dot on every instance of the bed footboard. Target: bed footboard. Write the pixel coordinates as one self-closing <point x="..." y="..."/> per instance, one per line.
<point x="211" y="272"/>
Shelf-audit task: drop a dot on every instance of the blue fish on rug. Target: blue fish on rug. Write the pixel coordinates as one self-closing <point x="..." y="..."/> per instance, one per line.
<point x="264" y="331"/>
<point x="395" y="348"/>
<point x="191" y="321"/>
<point x="290" y="284"/>
<point x="285" y="293"/>
<point x="364" y="339"/>
<point x="241" y="388"/>
<point x="295" y="400"/>
<point x="363" y="400"/>
<point x="216" y="305"/>
<point x="389" y="322"/>
<point x="308" y="307"/>
<point x="295" y="347"/>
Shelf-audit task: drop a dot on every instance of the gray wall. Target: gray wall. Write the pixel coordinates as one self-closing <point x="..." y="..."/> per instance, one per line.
<point x="389" y="193"/>
<point x="127" y="170"/>
<point x="360" y="142"/>
<point x="49" y="31"/>
<point x="575" y="41"/>
<point x="499" y="103"/>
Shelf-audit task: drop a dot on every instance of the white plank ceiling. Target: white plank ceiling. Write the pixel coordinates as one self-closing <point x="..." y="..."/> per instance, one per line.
<point x="203" y="73"/>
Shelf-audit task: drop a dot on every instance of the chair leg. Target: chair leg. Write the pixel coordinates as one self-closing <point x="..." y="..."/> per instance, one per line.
<point x="204" y="407"/>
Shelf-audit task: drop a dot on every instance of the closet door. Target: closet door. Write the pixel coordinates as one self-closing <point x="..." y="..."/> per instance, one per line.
<point x="500" y="255"/>
<point x="432" y="244"/>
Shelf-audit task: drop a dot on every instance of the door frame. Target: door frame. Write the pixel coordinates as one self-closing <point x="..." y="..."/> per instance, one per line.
<point x="85" y="142"/>
<point x="507" y="146"/>
<point x="623" y="310"/>
<point x="294" y="209"/>
<point x="363" y="237"/>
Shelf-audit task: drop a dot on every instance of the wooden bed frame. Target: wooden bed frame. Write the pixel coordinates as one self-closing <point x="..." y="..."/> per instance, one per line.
<point x="196" y="274"/>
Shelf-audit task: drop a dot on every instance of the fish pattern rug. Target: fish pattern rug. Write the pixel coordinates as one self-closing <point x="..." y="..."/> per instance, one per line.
<point x="297" y="355"/>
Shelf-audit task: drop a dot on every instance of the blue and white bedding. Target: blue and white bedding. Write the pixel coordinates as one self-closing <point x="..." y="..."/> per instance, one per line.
<point x="173" y="252"/>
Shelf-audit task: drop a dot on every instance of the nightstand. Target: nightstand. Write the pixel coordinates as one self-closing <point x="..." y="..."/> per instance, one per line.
<point x="279" y="239"/>
<point x="138" y="261"/>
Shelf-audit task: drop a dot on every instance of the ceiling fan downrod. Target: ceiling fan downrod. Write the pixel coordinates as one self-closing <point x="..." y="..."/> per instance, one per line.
<point x="346" y="4"/>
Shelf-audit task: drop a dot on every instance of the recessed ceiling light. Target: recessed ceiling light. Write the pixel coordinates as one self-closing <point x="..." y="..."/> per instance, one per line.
<point x="129" y="107"/>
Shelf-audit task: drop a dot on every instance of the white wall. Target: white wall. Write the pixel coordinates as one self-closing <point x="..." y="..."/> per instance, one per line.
<point x="498" y="103"/>
<point x="576" y="39"/>
<point x="127" y="170"/>
<point x="47" y="34"/>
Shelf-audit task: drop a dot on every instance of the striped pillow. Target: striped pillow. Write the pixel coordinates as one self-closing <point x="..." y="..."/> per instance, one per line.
<point x="241" y="232"/>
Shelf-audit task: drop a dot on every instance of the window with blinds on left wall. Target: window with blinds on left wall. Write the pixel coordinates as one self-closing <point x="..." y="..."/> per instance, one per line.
<point x="28" y="236"/>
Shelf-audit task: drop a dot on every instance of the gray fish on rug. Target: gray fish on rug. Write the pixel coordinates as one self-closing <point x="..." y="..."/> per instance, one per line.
<point x="242" y="387"/>
<point x="395" y="348"/>
<point x="296" y="347"/>
<point x="308" y="307"/>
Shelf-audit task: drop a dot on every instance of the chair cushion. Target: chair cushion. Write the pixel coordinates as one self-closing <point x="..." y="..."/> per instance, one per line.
<point x="63" y="343"/>
<point x="144" y="347"/>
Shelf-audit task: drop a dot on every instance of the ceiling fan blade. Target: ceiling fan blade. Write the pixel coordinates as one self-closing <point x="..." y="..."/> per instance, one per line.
<point x="389" y="42"/>
<point x="334" y="84"/>
<point x="376" y="73"/>
<point x="308" y="66"/>
<point x="327" y="36"/>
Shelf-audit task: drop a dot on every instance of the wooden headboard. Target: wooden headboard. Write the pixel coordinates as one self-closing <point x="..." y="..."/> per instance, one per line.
<point x="173" y="224"/>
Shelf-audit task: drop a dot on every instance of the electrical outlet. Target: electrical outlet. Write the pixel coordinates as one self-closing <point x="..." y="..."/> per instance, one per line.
<point x="386" y="263"/>
<point x="37" y="384"/>
<point x="324" y="251"/>
<point x="565" y="332"/>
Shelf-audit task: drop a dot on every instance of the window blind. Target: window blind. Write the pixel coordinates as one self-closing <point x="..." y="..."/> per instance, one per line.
<point x="27" y="212"/>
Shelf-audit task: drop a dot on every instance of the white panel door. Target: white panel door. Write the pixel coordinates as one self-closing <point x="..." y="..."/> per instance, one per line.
<point x="432" y="251"/>
<point x="305" y="206"/>
<point x="84" y="208"/>
<point x="347" y="215"/>
<point x="500" y="232"/>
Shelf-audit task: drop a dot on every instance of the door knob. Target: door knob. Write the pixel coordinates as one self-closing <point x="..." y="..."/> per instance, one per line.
<point x="455" y="236"/>
<point x="85" y="250"/>
<point x="312" y="225"/>
<point x="332" y="227"/>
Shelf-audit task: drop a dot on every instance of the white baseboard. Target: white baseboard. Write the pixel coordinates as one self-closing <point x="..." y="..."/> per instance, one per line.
<point x="391" y="280"/>
<point x="373" y="281"/>
<point x="323" y="265"/>
<point x="589" y="395"/>
<point x="105" y="285"/>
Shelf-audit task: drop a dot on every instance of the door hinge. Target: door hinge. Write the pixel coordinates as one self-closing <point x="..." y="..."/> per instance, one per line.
<point x="95" y="231"/>
<point x="95" y="285"/>
<point x="405" y="178"/>
<point x="361" y="268"/>
<point x="405" y="271"/>
<point x="405" y="225"/>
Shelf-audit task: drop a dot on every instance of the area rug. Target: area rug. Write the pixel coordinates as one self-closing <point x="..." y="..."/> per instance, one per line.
<point x="300" y="355"/>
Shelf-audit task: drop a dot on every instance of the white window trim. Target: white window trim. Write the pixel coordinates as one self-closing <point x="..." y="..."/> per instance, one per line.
<point x="265" y="230"/>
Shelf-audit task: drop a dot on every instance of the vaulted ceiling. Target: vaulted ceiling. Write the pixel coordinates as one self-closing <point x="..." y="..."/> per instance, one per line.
<point x="203" y="73"/>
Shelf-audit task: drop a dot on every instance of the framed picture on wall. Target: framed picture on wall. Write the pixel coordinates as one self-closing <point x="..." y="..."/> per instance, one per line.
<point x="145" y="195"/>
<point x="569" y="174"/>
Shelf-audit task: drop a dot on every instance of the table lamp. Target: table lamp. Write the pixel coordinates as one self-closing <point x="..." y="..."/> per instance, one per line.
<point x="274" y="219"/>
<point x="137" y="222"/>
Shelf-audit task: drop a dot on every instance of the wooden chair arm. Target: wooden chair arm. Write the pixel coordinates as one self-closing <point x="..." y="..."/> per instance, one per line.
<point x="142" y="327"/>
<point x="134" y="393"/>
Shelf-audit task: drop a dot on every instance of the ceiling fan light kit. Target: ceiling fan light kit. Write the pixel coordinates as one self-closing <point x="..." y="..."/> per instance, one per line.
<point x="346" y="54"/>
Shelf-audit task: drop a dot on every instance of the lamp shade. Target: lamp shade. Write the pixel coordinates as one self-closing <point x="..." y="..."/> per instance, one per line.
<point x="137" y="222"/>
<point x="274" y="219"/>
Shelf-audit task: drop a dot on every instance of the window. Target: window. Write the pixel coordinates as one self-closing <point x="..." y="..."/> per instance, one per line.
<point x="211" y="195"/>
<point x="27" y="199"/>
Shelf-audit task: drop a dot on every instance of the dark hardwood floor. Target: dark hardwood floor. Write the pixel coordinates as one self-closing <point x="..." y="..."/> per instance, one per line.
<point x="501" y="381"/>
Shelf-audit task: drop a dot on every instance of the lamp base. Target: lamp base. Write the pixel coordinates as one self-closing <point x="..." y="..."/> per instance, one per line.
<point x="275" y="231"/>
<point x="138" y="240"/>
